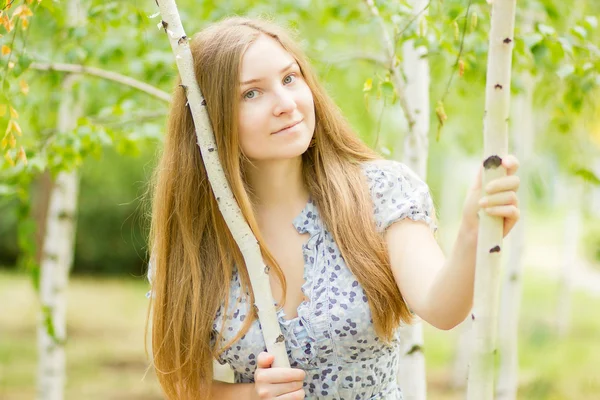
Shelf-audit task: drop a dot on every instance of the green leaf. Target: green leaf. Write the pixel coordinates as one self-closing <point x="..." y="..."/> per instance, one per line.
<point x="579" y="31"/>
<point x="546" y="29"/>
<point x="565" y="71"/>
<point x="532" y="39"/>
<point x="7" y="190"/>
<point x="591" y="21"/>
<point x="587" y="175"/>
<point x="566" y="45"/>
<point x="387" y="88"/>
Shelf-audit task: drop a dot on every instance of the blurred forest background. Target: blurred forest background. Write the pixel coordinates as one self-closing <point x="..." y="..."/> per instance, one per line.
<point x="118" y="134"/>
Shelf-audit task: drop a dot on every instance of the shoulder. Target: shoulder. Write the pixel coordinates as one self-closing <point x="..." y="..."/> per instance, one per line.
<point x="383" y="173"/>
<point x="397" y="192"/>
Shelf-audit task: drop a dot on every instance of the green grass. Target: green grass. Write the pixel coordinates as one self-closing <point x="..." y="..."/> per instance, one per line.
<point x="550" y="367"/>
<point x="105" y="347"/>
<point x="106" y="360"/>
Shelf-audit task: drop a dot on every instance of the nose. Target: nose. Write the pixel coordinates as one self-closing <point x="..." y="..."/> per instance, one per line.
<point x="284" y="101"/>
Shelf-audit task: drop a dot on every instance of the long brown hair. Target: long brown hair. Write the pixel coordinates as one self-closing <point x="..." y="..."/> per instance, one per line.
<point x="193" y="251"/>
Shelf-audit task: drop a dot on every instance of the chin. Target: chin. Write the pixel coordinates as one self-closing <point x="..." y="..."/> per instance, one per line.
<point x="291" y="151"/>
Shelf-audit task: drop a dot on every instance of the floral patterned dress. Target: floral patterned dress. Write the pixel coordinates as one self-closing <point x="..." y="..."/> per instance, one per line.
<point x="333" y="338"/>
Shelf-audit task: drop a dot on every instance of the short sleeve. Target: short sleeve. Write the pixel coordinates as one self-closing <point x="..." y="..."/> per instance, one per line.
<point x="398" y="193"/>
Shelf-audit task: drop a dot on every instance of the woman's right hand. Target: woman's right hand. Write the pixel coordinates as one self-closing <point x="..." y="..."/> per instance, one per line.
<point x="277" y="383"/>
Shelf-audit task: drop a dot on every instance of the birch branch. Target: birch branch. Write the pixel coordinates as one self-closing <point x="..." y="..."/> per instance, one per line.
<point x="489" y="242"/>
<point x="349" y="57"/>
<point x="393" y="66"/>
<point x="258" y="272"/>
<point x="109" y="75"/>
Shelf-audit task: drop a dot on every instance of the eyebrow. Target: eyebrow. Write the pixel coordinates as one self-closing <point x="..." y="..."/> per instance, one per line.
<point x="290" y="65"/>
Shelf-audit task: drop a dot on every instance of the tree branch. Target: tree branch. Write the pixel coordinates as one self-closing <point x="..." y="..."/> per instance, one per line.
<point x="348" y="57"/>
<point x="393" y="66"/>
<point x="100" y="73"/>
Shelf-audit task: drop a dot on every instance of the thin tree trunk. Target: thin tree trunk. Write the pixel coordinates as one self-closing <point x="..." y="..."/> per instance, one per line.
<point x="462" y="355"/>
<point x="40" y="211"/>
<point x="56" y="261"/>
<point x="58" y="247"/>
<point x="411" y="372"/>
<point x="259" y="278"/>
<point x="450" y="208"/>
<point x="489" y="242"/>
<point x="508" y="324"/>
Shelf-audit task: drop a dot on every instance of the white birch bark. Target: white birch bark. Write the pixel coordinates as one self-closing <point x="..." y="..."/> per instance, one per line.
<point x="58" y="249"/>
<point x="411" y="371"/>
<point x="56" y="261"/>
<point x="229" y="208"/>
<point x="453" y="188"/>
<point x="489" y="242"/>
<point x="508" y="323"/>
<point x="462" y="355"/>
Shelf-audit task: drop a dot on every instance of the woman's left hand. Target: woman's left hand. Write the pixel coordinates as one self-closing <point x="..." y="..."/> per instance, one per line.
<point x="498" y="199"/>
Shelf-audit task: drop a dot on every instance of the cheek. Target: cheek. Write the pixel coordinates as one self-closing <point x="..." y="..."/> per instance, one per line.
<point x="250" y="125"/>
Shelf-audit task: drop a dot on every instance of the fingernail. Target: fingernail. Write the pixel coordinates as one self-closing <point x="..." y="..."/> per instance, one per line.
<point x="482" y="201"/>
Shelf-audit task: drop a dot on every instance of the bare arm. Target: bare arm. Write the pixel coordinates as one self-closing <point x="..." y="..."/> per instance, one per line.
<point x="232" y="391"/>
<point x="439" y="291"/>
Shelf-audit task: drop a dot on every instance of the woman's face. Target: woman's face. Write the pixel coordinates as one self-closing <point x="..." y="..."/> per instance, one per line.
<point x="272" y="96"/>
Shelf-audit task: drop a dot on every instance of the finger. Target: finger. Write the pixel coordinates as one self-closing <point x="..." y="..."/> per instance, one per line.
<point x="511" y="163"/>
<point x="264" y="360"/>
<point x="298" y="394"/>
<point x="280" y="375"/>
<point x="504" y="184"/>
<point x="477" y="184"/>
<point x="508" y="225"/>
<point x="510" y="212"/>
<point x="499" y="199"/>
<point x="279" y="390"/>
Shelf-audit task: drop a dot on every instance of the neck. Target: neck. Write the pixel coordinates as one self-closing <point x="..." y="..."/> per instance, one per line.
<point x="277" y="187"/>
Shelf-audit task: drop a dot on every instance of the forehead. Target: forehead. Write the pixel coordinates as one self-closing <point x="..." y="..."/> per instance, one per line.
<point x="263" y="58"/>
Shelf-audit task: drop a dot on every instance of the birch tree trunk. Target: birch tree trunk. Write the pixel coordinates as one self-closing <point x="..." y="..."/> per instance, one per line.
<point x="450" y="209"/>
<point x="508" y="324"/>
<point x="489" y="242"/>
<point x="58" y="248"/>
<point x="411" y="371"/>
<point x="56" y="261"/>
<point x="259" y="278"/>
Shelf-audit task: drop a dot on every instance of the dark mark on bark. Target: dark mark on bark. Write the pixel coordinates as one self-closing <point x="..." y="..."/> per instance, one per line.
<point x="492" y="162"/>
<point x="495" y="249"/>
<point x="414" y="349"/>
<point x="185" y="89"/>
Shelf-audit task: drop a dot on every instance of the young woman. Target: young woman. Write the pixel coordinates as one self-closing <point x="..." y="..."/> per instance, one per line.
<point x="348" y="236"/>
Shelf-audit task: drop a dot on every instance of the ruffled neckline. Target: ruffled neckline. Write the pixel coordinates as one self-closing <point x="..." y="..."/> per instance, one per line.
<point x="308" y="221"/>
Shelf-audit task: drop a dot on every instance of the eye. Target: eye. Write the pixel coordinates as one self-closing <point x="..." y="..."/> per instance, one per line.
<point x="248" y="95"/>
<point x="288" y="79"/>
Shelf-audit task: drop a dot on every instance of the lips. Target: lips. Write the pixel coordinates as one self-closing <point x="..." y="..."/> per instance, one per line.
<point x="289" y="126"/>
